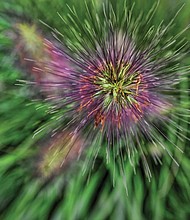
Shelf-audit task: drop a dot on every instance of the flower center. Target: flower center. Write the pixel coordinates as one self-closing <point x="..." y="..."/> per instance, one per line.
<point x="118" y="84"/>
<point x="115" y="88"/>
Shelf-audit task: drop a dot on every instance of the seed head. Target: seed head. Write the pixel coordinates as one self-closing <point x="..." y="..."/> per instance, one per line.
<point x="123" y="81"/>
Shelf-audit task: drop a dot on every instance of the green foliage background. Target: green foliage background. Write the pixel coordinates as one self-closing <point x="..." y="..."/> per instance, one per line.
<point x="70" y="195"/>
